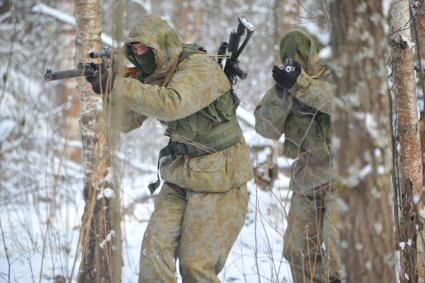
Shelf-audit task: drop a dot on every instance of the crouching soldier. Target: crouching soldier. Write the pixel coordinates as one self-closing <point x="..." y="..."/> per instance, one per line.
<point x="201" y="207"/>
<point x="300" y="106"/>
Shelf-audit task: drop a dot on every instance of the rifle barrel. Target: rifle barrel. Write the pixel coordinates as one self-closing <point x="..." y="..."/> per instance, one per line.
<point x="60" y="75"/>
<point x="83" y="69"/>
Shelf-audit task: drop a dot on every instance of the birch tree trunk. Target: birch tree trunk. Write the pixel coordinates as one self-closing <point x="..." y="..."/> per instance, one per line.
<point x="419" y="17"/>
<point x="404" y="87"/>
<point x="362" y="116"/>
<point x="97" y="232"/>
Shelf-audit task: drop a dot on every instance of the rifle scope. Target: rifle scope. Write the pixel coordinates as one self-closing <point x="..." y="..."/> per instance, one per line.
<point x="105" y="52"/>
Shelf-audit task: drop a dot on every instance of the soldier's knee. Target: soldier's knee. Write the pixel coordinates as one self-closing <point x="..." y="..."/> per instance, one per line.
<point x="219" y="265"/>
<point x="295" y="255"/>
<point x="290" y="254"/>
<point x="191" y="268"/>
<point x="187" y="265"/>
<point x="157" y="264"/>
<point x="151" y="251"/>
<point x="151" y="244"/>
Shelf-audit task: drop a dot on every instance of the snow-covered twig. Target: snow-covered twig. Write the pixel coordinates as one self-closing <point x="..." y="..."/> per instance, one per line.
<point x="64" y="17"/>
<point x="6" y="252"/>
<point x="257" y="210"/>
<point x="6" y="127"/>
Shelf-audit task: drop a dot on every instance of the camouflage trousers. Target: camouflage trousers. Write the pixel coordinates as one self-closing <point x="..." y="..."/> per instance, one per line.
<point x="311" y="237"/>
<point x="197" y="228"/>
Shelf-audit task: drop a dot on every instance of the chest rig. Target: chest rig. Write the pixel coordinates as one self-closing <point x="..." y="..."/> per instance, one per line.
<point x="212" y="129"/>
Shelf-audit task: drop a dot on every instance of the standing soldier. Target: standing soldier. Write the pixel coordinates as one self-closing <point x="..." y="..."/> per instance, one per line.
<point x="205" y="167"/>
<point x="300" y="106"/>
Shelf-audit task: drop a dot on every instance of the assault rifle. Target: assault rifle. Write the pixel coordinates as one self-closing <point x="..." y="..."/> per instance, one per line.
<point x="231" y="67"/>
<point x="289" y="65"/>
<point x="88" y="69"/>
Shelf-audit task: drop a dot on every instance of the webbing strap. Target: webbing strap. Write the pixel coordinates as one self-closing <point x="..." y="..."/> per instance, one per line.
<point x="174" y="149"/>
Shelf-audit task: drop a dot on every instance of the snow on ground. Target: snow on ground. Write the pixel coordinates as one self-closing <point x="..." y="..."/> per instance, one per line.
<point x="256" y="254"/>
<point x="41" y="224"/>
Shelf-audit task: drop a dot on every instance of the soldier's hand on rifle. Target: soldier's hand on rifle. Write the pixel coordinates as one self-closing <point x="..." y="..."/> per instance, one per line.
<point x="286" y="77"/>
<point x="100" y="80"/>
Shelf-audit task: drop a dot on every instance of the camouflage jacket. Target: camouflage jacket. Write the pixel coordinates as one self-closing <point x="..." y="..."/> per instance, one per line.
<point x="303" y="114"/>
<point x="181" y="94"/>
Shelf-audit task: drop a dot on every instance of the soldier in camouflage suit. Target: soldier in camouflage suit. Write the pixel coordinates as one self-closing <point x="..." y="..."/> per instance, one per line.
<point x="300" y="106"/>
<point x="202" y="204"/>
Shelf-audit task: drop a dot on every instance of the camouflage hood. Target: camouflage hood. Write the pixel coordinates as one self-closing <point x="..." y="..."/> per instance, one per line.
<point x="157" y="34"/>
<point x="304" y="49"/>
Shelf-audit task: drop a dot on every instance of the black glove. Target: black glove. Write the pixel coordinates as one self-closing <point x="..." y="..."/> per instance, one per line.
<point x="98" y="78"/>
<point x="286" y="79"/>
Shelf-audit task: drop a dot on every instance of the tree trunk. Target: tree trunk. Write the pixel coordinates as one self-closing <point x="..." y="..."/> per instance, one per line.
<point x="4" y="6"/>
<point x="286" y="13"/>
<point x="68" y="88"/>
<point x="188" y="20"/>
<point x="408" y="129"/>
<point x="97" y="234"/>
<point x="419" y="17"/>
<point x="362" y="116"/>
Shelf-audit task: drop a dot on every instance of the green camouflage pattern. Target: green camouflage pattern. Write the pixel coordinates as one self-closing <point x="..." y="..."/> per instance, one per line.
<point x="165" y="42"/>
<point x="199" y="228"/>
<point x="311" y="238"/>
<point x="302" y="48"/>
<point x="216" y="172"/>
<point x="202" y="204"/>
<point x="316" y="92"/>
<point x="196" y="84"/>
<point x="307" y="136"/>
<point x="303" y="114"/>
<point x="192" y="104"/>
<point x="121" y="118"/>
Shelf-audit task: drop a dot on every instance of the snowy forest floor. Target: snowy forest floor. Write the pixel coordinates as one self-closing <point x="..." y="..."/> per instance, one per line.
<point x="40" y="230"/>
